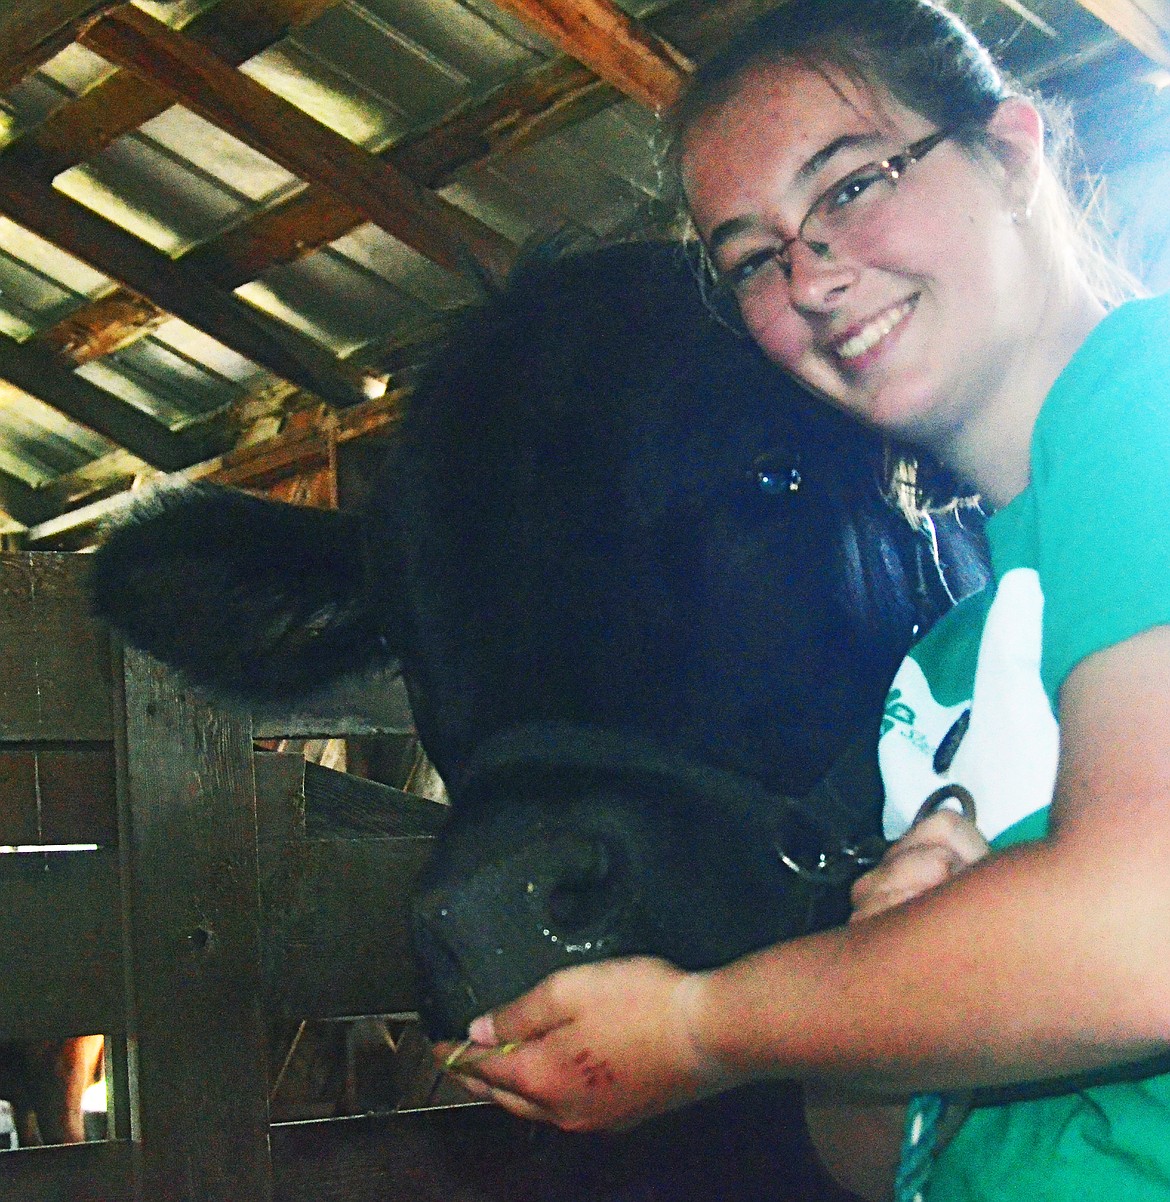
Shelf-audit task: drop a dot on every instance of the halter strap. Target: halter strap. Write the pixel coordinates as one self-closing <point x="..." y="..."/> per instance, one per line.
<point x="835" y="810"/>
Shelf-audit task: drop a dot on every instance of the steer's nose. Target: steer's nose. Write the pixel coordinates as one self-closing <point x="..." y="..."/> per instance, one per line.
<point x="580" y="892"/>
<point x="486" y="939"/>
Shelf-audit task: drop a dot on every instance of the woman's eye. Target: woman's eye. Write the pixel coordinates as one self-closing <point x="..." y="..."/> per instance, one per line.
<point x="749" y="268"/>
<point x="846" y="191"/>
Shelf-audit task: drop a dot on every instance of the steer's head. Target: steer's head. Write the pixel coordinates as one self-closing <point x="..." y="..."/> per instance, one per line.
<point x="641" y="588"/>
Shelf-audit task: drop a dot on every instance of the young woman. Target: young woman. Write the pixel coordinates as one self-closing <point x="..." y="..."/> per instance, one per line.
<point x="878" y="203"/>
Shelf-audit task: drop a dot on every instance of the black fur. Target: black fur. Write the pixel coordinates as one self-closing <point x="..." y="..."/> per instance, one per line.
<point x="253" y="600"/>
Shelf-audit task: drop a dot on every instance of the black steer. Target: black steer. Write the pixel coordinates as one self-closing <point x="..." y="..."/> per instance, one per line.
<point x="641" y="587"/>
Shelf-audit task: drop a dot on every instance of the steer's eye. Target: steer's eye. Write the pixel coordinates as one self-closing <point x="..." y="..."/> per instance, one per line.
<point x="776" y="475"/>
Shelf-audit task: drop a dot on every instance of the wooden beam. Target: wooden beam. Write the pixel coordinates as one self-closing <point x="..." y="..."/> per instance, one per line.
<point x="247" y="467"/>
<point x="236" y="30"/>
<point x="56" y="662"/>
<point x="21" y="501"/>
<point x="169" y="284"/>
<point x="1143" y="23"/>
<point x="625" y="54"/>
<point x="32" y="31"/>
<point x="247" y="110"/>
<point x="193" y="944"/>
<point x="41" y="374"/>
<point x="103" y="326"/>
<point x="86" y="1172"/>
<point x="515" y="114"/>
<point x="558" y="94"/>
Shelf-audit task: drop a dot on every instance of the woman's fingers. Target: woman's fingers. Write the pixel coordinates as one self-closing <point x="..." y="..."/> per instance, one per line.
<point x="599" y="1046"/>
<point x="931" y="852"/>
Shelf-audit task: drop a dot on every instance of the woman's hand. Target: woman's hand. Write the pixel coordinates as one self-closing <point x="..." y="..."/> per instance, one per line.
<point x="599" y="1046"/>
<point x="929" y="853"/>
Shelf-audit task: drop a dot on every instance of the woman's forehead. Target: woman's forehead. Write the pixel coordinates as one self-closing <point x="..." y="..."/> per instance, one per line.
<point x="795" y="102"/>
<point x="775" y="129"/>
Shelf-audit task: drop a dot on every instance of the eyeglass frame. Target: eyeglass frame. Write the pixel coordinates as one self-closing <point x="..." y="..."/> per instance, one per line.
<point x="892" y="168"/>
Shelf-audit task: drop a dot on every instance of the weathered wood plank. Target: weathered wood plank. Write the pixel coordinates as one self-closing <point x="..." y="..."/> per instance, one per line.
<point x="20" y="823"/>
<point x="98" y="1172"/>
<point x="55" y="660"/>
<point x="1143" y="23"/>
<point x="270" y="124"/>
<point x="32" y="31"/>
<point x="339" y="805"/>
<point x="169" y="284"/>
<point x="58" y="795"/>
<point x="20" y="501"/>
<point x="200" y="1086"/>
<point x="61" y="930"/>
<point x="336" y="911"/>
<point x="599" y="34"/>
<point x="459" y="1154"/>
<point x="102" y="326"/>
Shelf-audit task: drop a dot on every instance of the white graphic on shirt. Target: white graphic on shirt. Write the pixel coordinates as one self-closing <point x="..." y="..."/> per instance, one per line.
<point x="1007" y="758"/>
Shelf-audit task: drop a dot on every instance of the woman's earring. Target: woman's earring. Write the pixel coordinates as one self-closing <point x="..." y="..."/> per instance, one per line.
<point x="1023" y="218"/>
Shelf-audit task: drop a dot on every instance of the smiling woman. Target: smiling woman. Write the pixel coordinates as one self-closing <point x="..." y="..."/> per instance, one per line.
<point x="880" y="202"/>
<point x="806" y="174"/>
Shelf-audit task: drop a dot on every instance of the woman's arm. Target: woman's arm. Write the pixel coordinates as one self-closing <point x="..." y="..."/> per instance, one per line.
<point x="857" y="1136"/>
<point x="1043" y="960"/>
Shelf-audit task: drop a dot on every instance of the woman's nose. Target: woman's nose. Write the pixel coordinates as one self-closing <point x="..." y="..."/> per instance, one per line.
<point x="818" y="276"/>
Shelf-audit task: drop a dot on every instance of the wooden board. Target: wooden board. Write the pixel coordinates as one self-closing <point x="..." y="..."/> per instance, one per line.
<point x="336" y="911"/>
<point x="199" y="1077"/>
<point x="99" y="1172"/>
<point x="462" y="1154"/>
<point x="61" y="931"/>
<point x="55" y="660"/>
<point x="58" y="795"/>
<point x="32" y="31"/>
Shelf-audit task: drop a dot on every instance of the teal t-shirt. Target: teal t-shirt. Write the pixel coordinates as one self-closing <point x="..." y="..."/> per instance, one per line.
<point x="1081" y="561"/>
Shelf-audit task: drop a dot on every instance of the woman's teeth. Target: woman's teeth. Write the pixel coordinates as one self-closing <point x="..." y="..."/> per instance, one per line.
<point x="868" y="337"/>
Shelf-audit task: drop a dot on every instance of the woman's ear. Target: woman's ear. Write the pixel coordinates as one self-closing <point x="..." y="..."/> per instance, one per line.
<point x="1017" y="139"/>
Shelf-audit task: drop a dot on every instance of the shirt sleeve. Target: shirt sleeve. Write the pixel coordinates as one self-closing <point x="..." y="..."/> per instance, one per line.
<point x="1101" y="480"/>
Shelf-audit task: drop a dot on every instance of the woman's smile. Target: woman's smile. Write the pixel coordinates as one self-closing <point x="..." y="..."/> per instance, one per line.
<point x="853" y="346"/>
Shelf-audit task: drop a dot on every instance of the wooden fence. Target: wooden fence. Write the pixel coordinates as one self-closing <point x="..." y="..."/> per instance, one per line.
<point x="205" y="911"/>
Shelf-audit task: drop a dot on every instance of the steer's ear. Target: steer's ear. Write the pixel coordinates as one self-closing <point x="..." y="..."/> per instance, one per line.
<point x="251" y="599"/>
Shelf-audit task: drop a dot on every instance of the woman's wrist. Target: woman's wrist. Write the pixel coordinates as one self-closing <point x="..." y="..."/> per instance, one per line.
<point x="693" y="1006"/>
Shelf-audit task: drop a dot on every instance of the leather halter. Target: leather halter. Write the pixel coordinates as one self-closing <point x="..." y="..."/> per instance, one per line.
<point x="834" y="813"/>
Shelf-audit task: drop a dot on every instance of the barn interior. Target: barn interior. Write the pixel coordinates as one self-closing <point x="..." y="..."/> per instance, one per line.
<point x="231" y="233"/>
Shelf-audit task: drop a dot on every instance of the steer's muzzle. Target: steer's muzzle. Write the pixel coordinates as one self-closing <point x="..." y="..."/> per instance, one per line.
<point x="570" y="845"/>
<point x="565" y="896"/>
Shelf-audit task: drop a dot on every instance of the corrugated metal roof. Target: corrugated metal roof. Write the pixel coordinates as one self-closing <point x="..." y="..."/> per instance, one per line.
<point x="378" y="73"/>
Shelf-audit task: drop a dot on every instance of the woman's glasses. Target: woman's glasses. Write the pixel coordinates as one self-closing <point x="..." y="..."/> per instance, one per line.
<point x="844" y="215"/>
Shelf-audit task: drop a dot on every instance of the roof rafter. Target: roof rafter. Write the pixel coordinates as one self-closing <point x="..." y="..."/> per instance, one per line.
<point x="171" y="285"/>
<point x="1144" y="24"/>
<point x="235" y="30"/>
<point x="236" y="103"/>
<point x="21" y="501"/>
<point x="631" y="57"/>
<point x="515" y="114"/>
<point x="32" y="31"/>
<point x="41" y="374"/>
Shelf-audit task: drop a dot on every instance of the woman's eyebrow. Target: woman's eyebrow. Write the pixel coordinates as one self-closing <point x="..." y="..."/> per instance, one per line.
<point x="726" y="230"/>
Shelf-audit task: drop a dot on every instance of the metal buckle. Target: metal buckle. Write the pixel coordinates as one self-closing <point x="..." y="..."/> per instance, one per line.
<point x="839" y="867"/>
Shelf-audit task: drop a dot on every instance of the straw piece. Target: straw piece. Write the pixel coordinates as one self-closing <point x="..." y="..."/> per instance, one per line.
<point x="463" y="1055"/>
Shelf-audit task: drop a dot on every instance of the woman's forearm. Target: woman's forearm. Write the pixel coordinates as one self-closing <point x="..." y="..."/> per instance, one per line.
<point x="1041" y="962"/>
